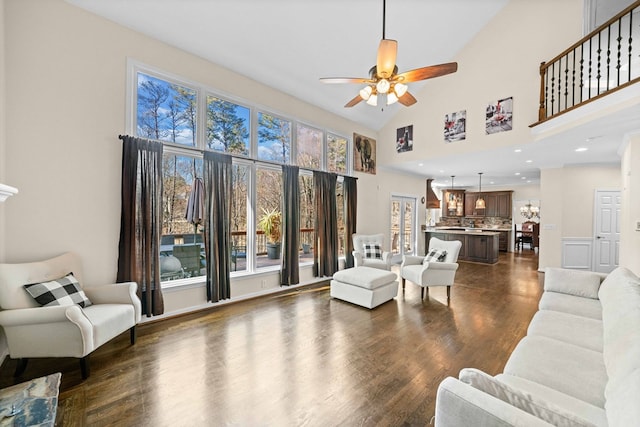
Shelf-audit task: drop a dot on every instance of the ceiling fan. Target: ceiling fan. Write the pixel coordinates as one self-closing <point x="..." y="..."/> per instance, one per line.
<point x="384" y="78"/>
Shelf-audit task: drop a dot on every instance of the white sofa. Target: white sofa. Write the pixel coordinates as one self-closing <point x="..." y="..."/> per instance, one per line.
<point x="578" y="365"/>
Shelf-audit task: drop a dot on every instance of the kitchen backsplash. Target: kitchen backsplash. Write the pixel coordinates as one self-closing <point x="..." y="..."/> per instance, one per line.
<point x="475" y="222"/>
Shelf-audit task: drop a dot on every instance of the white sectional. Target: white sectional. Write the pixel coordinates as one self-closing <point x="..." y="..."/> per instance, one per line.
<point x="578" y="365"/>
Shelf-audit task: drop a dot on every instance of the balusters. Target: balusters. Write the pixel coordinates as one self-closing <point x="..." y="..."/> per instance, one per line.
<point x="568" y="73"/>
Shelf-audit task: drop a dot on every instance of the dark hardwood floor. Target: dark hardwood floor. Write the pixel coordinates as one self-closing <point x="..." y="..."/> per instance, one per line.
<point x="301" y="358"/>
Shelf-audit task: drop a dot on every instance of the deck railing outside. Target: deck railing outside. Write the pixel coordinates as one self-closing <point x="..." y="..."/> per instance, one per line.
<point x="605" y="60"/>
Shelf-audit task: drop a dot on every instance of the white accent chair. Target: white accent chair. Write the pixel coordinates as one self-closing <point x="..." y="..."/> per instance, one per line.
<point x="360" y="260"/>
<point x="430" y="273"/>
<point x="62" y="331"/>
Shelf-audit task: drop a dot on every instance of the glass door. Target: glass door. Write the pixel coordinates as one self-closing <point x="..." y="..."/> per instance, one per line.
<point x="403" y="227"/>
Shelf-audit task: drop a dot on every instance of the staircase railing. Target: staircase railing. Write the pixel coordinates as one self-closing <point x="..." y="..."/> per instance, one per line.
<point x="606" y="60"/>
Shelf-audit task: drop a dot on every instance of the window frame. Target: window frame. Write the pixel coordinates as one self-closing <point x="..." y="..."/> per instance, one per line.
<point x="203" y="91"/>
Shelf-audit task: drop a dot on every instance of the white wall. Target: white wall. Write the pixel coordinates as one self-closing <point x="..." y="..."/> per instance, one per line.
<point x="567" y="204"/>
<point x="501" y="61"/>
<point x="3" y="156"/>
<point x="65" y="74"/>
<point x="630" y="215"/>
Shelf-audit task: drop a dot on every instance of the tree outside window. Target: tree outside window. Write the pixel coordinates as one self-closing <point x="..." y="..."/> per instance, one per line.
<point x="309" y="145"/>
<point x="227" y="126"/>
<point x="165" y="111"/>
<point x="274" y="138"/>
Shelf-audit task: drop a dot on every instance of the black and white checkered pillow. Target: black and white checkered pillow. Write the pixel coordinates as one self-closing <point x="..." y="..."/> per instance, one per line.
<point x="437" y="255"/>
<point x="372" y="251"/>
<point x="63" y="291"/>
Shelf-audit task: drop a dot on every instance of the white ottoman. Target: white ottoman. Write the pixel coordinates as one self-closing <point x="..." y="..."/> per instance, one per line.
<point x="365" y="286"/>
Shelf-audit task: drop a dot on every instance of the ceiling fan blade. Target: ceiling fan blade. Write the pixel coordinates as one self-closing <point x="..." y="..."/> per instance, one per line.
<point x="386" y="62"/>
<point x="407" y="100"/>
<point x="427" y="72"/>
<point x="345" y="80"/>
<point x="353" y="102"/>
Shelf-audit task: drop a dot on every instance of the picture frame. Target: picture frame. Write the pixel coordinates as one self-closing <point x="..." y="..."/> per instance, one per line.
<point x="455" y="126"/>
<point x="499" y="116"/>
<point x="364" y="154"/>
<point x="404" y="139"/>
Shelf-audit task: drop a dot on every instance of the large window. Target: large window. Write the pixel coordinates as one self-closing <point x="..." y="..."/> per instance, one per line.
<point x="269" y="212"/>
<point x="309" y="144"/>
<point x="274" y="138"/>
<point x="165" y="111"/>
<point x="181" y="245"/>
<point x="227" y="126"/>
<point x="336" y="153"/>
<point x="187" y="115"/>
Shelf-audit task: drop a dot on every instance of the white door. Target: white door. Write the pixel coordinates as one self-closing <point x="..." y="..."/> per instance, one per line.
<point x="403" y="226"/>
<point x="607" y="231"/>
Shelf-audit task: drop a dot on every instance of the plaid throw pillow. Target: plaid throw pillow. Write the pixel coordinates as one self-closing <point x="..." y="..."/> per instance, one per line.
<point x="372" y="251"/>
<point x="63" y="291"/>
<point x="437" y="255"/>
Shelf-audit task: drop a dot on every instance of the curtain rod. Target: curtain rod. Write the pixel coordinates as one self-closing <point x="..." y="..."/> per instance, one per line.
<point x="235" y="156"/>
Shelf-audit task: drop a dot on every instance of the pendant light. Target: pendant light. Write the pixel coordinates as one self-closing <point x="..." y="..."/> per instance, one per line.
<point x="480" y="201"/>
<point x="452" y="205"/>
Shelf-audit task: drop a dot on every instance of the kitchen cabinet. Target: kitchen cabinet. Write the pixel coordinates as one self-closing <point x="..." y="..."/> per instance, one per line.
<point x="458" y="196"/>
<point x="497" y="204"/>
<point x="503" y="241"/>
<point x="504" y="201"/>
<point x="482" y="248"/>
<point x="476" y="246"/>
<point x="470" y="205"/>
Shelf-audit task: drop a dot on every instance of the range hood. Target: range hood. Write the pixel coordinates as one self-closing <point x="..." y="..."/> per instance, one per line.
<point x="432" y="200"/>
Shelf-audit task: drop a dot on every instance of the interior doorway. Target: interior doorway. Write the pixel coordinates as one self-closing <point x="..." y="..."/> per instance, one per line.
<point x="606" y="234"/>
<point x="403" y="227"/>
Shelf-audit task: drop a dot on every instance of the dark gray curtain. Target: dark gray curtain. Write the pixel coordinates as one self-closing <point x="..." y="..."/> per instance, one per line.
<point x="290" y="269"/>
<point x="350" y="186"/>
<point x="217" y="224"/>
<point x="325" y="256"/>
<point x="141" y="221"/>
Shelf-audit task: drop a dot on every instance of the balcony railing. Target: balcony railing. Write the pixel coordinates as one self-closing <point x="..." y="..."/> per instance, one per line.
<point x="605" y="60"/>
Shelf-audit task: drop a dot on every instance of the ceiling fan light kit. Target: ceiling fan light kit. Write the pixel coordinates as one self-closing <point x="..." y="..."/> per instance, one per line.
<point x="384" y="78"/>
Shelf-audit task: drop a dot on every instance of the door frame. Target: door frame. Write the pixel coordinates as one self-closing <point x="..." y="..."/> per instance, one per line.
<point x="596" y="218"/>
<point x="414" y="226"/>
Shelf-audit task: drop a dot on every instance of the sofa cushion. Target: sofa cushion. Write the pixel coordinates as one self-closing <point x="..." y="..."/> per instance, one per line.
<point x="622" y="401"/>
<point x="573" y="282"/>
<point x="620" y="297"/>
<point x="540" y="407"/>
<point x="63" y="291"/>
<point x="572" y="304"/>
<point x="582" y="331"/>
<point x="568" y="368"/>
<point x="578" y="408"/>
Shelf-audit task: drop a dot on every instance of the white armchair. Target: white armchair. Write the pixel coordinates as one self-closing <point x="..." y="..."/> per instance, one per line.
<point x="432" y="273"/>
<point x="62" y="330"/>
<point x="362" y="257"/>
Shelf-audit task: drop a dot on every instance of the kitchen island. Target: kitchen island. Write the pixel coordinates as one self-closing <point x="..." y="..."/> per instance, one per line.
<point x="477" y="245"/>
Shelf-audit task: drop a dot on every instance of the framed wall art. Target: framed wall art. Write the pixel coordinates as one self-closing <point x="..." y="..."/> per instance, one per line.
<point x="455" y="126"/>
<point x="364" y="154"/>
<point x="499" y="116"/>
<point x="404" y="139"/>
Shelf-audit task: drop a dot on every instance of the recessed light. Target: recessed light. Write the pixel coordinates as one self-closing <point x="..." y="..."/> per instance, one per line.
<point x="528" y="161"/>
<point x="524" y="177"/>
<point x="528" y="182"/>
<point x="581" y="149"/>
<point x="517" y="173"/>
<point x="492" y="182"/>
<point x="517" y="150"/>
<point x="441" y="171"/>
<point x="420" y="164"/>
